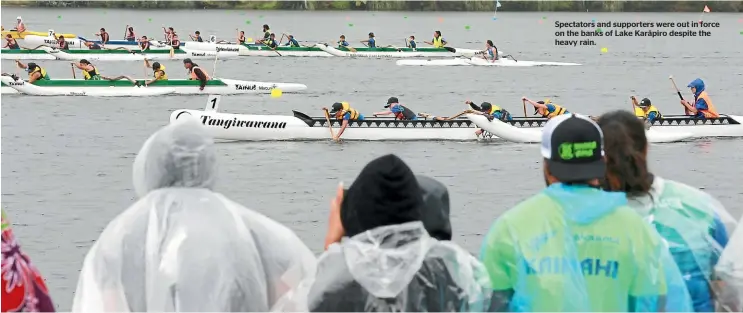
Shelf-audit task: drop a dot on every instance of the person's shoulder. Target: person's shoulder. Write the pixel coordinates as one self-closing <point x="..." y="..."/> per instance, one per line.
<point x="530" y="208"/>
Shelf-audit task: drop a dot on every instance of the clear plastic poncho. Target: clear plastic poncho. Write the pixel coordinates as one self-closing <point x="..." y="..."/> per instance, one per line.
<point x="183" y="247"/>
<point x="397" y="268"/>
<point x="730" y="271"/>
<point x="695" y="227"/>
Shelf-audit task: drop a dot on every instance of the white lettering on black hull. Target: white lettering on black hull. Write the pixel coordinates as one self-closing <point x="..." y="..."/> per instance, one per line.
<point x="234" y="122"/>
<point x="227" y="49"/>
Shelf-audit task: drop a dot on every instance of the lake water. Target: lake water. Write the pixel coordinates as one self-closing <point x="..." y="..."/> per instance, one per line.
<point x="67" y="160"/>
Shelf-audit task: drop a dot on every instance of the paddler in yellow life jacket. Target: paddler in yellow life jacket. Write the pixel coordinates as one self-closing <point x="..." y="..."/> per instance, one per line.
<point x="646" y="110"/>
<point x="490" y="111"/>
<point x="343" y="112"/>
<point x="703" y="107"/>
<point x="546" y="108"/>
<point x="35" y="72"/>
<point x="158" y="71"/>
<point x="266" y="32"/>
<point x="437" y="41"/>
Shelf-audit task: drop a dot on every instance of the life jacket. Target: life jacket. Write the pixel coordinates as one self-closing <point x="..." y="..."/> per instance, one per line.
<point x="63" y="45"/>
<point x="269" y="42"/>
<point x="406" y="114"/>
<point x="346" y="108"/>
<point x="640" y="113"/>
<point x="163" y="76"/>
<point x="241" y="39"/>
<point x="144" y="45"/>
<point x="14" y="44"/>
<point x="130" y="35"/>
<point x="193" y="73"/>
<point x="493" y="52"/>
<point x="711" y="111"/>
<point x="89" y="75"/>
<point x="438" y="42"/>
<point x="504" y="115"/>
<point x="40" y="70"/>
<point x="267" y="34"/>
<point x="558" y="111"/>
<point x="174" y="41"/>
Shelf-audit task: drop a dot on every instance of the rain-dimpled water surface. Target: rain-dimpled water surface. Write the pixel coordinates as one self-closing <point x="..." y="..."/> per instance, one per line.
<point x="67" y="161"/>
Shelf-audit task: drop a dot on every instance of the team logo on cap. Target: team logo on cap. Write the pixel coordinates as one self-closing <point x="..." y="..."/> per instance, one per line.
<point x="570" y="150"/>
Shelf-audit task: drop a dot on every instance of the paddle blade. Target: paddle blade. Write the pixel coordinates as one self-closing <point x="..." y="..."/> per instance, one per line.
<point x="450" y="49"/>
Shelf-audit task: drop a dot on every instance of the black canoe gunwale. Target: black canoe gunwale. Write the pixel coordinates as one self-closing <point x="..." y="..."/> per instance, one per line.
<point x="521" y="122"/>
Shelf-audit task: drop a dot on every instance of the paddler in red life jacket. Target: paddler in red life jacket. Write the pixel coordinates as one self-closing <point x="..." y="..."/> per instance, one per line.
<point x="10" y="43"/>
<point x="35" y="72"/>
<point x="144" y="43"/>
<point x="546" y="108"/>
<point x="645" y="110"/>
<point x="703" y="107"/>
<point x="196" y="73"/>
<point x="63" y="45"/>
<point x="342" y="111"/>
<point x="400" y="111"/>
<point x="129" y="34"/>
<point x="104" y="36"/>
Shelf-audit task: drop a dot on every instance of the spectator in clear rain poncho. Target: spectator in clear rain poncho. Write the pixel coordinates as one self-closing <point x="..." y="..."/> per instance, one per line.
<point x="184" y="247"/>
<point x="730" y="271"/>
<point x="388" y="260"/>
<point x="690" y="221"/>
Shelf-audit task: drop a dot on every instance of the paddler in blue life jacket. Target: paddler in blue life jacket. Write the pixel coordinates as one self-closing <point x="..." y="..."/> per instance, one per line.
<point x="35" y="72"/>
<point x="342" y="111"/>
<point x="491" y="52"/>
<point x="646" y="110"/>
<point x="11" y="43"/>
<point x="703" y="107"/>
<point x="293" y="43"/>
<point x="158" y="71"/>
<point x="491" y="112"/>
<point x="400" y="111"/>
<point x="197" y="37"/>
<point x="411" y="43"/>
<point x="546" y="108"/>
<point x="437" y="41"/>
<point x="371" y="42"/>
<point x="342" y="41"/>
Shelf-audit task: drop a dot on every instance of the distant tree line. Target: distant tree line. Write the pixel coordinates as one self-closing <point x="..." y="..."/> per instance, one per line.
<point x="506" y="5"/>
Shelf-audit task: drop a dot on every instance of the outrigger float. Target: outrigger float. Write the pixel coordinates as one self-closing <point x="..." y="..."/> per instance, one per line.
<point x="47" y="53"/>
<point x="479" y="61"/>
<point x="79" y="87"/>
<point x="324" y="50"/>
<point x="668" y="129"/>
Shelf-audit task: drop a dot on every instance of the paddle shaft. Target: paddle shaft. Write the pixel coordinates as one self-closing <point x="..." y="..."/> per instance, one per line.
<point x="72" y="67"/>
<point x="524" y="103"/>
<point x="327" y="118"/>
<point x="686" y="111"/>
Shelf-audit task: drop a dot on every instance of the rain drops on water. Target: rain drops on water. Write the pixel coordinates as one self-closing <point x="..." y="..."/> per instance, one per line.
<point x="276" y="93"/>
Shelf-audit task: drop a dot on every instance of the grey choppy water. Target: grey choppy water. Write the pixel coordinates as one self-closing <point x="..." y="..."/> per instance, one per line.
<point x="67" y="161"/>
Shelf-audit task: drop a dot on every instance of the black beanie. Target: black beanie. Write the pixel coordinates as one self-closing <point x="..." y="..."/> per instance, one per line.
<point x="435" y="211"/>
<point x="386" y="192"/>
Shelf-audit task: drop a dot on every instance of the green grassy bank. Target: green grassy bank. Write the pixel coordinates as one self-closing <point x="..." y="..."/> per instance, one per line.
<point x="507" y="5"/>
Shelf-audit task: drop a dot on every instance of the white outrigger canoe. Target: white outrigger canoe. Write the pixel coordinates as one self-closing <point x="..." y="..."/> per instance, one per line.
<point x="669" y="129"/>
<point x="324" y="50"/>
<point x="78" y="43"/>
<point x="479" y="61"/>
<point x="47" y="53"/>
<point x="79" y="87"/>
<point x="299" y="126"/>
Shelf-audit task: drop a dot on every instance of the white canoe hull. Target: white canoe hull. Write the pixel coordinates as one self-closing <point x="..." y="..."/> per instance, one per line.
<point x="32" y="41"/>
<point x="394" y="54"/>
<point x="479" y="61"/>
<point x="656" y="134"/>
<point x="54" y="54"/>
<point x="232" y="87"/>
<point x="244" y="51"/>
<point x="240" y="127"/>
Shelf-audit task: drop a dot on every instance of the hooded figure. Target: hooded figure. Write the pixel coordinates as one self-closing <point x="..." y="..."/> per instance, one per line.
<point x="388" y="262"/>
<point x="184" y="247"/>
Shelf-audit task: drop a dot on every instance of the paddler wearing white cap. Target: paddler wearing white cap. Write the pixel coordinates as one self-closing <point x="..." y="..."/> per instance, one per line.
<point x="20" y="27"/>
<point x="546" y="108"/>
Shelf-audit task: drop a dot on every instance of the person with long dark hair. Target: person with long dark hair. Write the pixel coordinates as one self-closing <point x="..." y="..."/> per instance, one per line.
<point x="690" y="220"/>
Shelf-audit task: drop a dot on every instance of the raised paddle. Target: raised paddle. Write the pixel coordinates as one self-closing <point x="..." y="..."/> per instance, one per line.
<point x="686" y="111"/>
<point x="327" y="119"/>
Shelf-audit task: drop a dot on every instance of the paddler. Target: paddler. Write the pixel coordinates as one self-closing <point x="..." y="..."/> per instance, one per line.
<point x="411" y="42"/>
<point x="90" y="72"/>
<point x="400" y="111"/>
<point x="129" y="34"/>
<point x="35" y="72"/>
<point x="270" y="42"/>
<point x="104" y="36"/>
<point x="343" y="112"/>
<point x="241" y="38"/>
<point x="266" y="32"/>
<point x="437" y="41"/>
<point x="92" y="45"/>
<point x="158" y="71"/>
<point x="491" y="112"/>
<point x="144" y="43"/>
<point x="371" y="42"/>
<point x="197" y="37"/>
<point x="293" y="43"/>
<point x="342" y="42"/>
<point x="11" y="43"/>
<point x="62" y="43"/>
<point x="546" y="108"/>
<point x="490" y="51"/>
<point x="175" y="43"/>
<point x="196" y="73"/>
<point x="20" y="26"/>
<point x="646" y="110"/>
<point x="703" y="107"/>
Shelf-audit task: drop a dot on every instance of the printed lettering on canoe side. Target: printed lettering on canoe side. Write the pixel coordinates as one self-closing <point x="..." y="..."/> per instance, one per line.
<point x="245" y="87"/>
<point x="234" y="122"/>
<point x="54" y="42"/>
<point x="195" y="54"/>
<point x="75" y="93"/>
<point x="16" y="83"/>
<point x="231" y="49"/>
